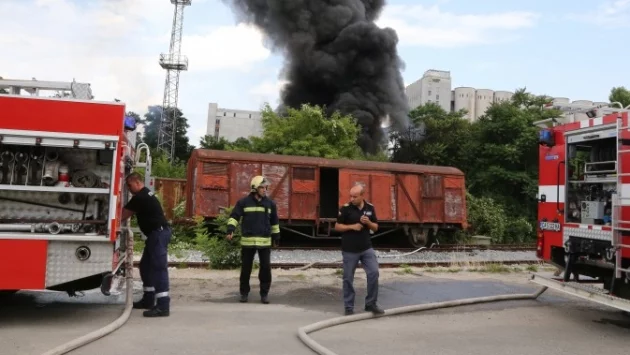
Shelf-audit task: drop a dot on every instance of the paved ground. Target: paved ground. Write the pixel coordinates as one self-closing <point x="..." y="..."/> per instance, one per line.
<point x="207" y="319"/>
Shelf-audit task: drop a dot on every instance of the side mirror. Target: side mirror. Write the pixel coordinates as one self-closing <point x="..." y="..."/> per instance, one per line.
<point x="543" y="198"/>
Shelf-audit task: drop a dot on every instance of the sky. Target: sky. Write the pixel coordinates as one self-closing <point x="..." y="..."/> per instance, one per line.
<point x="561" y="48"/>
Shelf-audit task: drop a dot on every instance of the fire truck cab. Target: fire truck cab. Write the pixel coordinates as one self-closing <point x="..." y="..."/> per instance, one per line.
<point x="584" y="202"/>
<point x="62" y="165"/>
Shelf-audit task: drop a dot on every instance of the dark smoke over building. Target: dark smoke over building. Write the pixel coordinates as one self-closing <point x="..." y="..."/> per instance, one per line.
<point x="335" y="56"/>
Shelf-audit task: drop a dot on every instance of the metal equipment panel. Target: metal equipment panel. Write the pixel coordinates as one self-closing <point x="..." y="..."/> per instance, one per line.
<point x="67" y="261"/>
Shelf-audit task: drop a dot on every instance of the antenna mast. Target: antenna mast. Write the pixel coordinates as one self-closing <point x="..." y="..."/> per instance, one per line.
<point x="173" y="62"/>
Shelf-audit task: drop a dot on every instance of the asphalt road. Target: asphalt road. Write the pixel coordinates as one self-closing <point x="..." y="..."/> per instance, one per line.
<point x="207" y="319"/>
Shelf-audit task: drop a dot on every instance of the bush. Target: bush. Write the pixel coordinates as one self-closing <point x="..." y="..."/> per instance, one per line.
<point x="486" y="217"/>
<point x="222" y="253"/>
<point x="519" y="230"/>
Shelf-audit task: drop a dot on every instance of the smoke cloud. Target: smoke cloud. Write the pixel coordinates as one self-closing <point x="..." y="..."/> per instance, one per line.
<point x="335" y="56"/>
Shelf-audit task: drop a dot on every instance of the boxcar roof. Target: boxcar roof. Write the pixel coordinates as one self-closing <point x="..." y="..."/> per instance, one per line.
<point x="208" y="154"/>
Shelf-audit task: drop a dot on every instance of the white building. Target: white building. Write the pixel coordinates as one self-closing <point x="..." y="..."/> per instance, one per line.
<point x="232" y="123"/>
<point x="434" y="86"/>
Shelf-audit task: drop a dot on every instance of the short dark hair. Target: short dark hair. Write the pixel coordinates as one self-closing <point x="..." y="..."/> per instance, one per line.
<point x="134" y="176"/>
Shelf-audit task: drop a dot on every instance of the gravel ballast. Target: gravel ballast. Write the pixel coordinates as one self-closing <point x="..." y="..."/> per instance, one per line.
<point x="328" y="256"/>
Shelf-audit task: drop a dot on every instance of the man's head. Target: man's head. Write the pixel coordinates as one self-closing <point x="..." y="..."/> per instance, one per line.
<point x="134" y="182"/>
<point x="259" y="185"/>
<point x="356" y="194"/>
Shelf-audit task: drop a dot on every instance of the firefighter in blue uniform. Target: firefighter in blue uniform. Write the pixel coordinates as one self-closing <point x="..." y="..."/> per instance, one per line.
<point x="259" y="226"/>
<point x="153" y="264"/>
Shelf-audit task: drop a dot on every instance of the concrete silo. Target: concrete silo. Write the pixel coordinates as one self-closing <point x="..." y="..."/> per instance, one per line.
<point x="483" y="100"/>
<point x="465" y="100"/>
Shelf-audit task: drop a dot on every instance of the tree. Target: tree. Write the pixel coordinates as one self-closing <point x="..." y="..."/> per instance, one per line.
<point x="152" y="127"/>
<point x="307" y="132"/>
<point x="620" y="94"/>
<point x="437" y="137"/>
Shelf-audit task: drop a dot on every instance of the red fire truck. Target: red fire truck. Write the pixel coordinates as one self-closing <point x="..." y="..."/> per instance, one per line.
<point x="62" y="164"/>
<point x="584" y="202"/>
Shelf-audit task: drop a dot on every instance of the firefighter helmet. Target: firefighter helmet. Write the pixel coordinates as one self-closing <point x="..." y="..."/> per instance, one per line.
<point x="259" y="181"/>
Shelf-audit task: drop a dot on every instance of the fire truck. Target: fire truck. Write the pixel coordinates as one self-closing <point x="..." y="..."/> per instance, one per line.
<point x="584" y="202"/>
<point x="63" y="159"/>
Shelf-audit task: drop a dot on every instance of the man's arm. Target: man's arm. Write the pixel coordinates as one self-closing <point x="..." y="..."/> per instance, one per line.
<point x="275" y="222"/>
<point x="340" y="226"/>
<point x="130" y="208"/>
<point x="372" y="221"/>
<point x="235" y="216"/>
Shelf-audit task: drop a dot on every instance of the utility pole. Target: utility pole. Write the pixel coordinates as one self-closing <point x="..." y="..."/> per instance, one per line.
<point x="173" y="62"/>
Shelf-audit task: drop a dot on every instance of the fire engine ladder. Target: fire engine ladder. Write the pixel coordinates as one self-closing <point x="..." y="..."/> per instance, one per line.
<point x="619" y="199"/>
<point x="34" y="87"/>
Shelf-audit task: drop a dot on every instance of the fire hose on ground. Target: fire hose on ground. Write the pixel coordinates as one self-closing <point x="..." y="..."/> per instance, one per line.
<point x="318" y="348"/>
<point x="119" y="322"/>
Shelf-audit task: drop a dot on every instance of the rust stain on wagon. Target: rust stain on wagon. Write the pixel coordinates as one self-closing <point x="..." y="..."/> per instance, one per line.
<point x="308" y="190"/>
<point x="171" y="192"/>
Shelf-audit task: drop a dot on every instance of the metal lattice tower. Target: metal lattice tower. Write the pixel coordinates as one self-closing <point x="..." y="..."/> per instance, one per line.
<point x="173" y="62"/>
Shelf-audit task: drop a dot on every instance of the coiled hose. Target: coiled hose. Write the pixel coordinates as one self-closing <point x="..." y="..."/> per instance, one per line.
<point x="99" y="333"/>
<point x="318" y="348"/>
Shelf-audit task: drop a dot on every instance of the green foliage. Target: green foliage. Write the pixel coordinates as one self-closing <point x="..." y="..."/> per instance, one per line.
<point x="620" y="94"/>
<point x="222" y="253"/>
<point x="486" y="217"/>
<point x="161" y="167"/>
<point x="308" y="132"/>
<point x="152" y="125"/>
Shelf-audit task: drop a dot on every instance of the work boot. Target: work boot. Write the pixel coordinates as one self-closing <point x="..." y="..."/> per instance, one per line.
<point x="374" y="308"/>
<point x="349" y="312"/>
<point x="264" y="299"/>
<point x="156" y="312"/>
<point x="143" y="304"/>
<point x="243" y="299"/>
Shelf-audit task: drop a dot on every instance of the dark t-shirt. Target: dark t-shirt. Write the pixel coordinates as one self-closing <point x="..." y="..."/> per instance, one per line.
<point x="148" y="210"/>
<point x="356" y="241"/>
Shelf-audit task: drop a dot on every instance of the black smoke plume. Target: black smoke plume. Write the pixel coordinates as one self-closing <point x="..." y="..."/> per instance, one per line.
<point x="335" y="56"/>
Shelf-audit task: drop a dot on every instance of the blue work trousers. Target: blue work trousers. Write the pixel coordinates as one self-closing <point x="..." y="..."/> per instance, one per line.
<point x="154" y="268"/>
<point x="370" y="265"/>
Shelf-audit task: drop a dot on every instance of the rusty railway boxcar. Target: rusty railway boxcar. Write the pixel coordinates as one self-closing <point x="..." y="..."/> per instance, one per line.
<point x="418" y="199"/>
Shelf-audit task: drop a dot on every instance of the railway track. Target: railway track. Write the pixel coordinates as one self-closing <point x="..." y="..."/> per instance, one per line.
<point x="435" y="248"/>
<point x="333" y="265"/>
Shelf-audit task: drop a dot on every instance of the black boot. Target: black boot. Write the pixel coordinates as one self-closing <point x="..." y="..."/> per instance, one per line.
<point x="156" y="312"/>
<point x="264" y="299"/>
<point x="243" y="299"/>
<point x="374" y="308"/>
<point x="143" y="304"/>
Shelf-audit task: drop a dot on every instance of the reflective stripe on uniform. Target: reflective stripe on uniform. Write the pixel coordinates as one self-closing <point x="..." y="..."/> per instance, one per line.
<point x="148" y="289"/>
<point x="232" y="222"/>
<point x="161" y="294"/>
<point x="256" y="241"/>
<point x="275" y="229"/>
<point x="254" y="209"/>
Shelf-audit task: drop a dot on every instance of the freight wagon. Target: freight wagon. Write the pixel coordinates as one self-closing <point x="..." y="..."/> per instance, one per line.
<point x="417" y="199"/>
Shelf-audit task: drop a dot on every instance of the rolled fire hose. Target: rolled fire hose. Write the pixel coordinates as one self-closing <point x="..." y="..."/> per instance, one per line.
<point x="318" y="348"/>
<point x="99" y="333"/>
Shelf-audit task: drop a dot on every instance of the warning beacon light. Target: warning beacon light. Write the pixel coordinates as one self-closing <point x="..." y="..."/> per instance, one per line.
<point x="130" y="123"/>
<point x="546" y="137"/>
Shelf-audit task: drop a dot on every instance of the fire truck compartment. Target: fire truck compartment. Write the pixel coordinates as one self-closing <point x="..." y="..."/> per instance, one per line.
<point x="54" y="191"/>
<point x="591" y="170"/>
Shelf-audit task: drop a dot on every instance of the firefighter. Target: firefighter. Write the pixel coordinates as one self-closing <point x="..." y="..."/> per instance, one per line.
<point x="153" y="264"/>
<point x="259" y="226"/>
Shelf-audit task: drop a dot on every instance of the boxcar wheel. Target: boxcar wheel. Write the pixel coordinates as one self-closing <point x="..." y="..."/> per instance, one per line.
<point x="416" y="238"/>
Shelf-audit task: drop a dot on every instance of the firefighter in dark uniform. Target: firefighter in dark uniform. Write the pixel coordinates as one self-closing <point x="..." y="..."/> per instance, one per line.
<point x="259" y="226"/>
<point x="153" y="264"/>
<point x="356" y="221"/>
